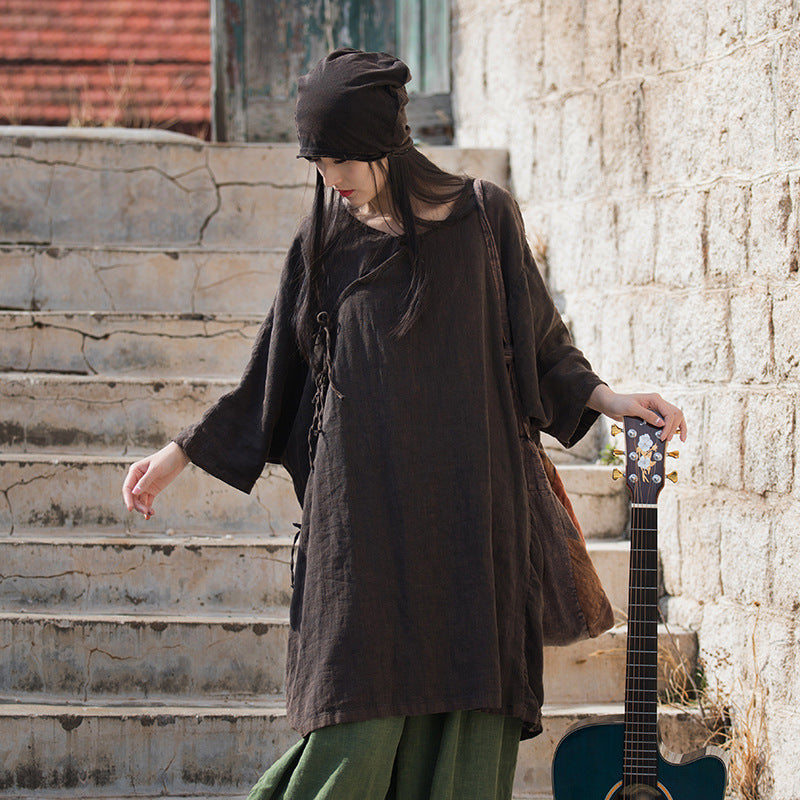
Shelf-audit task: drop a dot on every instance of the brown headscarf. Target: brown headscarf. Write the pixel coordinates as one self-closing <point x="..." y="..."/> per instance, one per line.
<point x="352" y="106"/>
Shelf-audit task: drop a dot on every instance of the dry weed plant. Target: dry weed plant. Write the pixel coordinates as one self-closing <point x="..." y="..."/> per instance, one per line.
<point x="738" y="730"/>
<point x="9" y="111"/>
<point x="123" y="110"/>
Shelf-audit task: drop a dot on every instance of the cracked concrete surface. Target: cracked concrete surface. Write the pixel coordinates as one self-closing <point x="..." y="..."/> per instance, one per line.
<point x="99" y="414"/>
<point x="150" y="345"/>
<point x="142" y="750"/>
<point x="76" y="492"/>
<point x="93" y="655"/>
<point x="139" y="279"/>
<point x="176" y="574"/>
<point x="135" y="192"/>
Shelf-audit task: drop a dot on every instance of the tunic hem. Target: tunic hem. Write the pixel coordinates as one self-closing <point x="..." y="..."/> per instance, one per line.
<point x="531" y="722"/>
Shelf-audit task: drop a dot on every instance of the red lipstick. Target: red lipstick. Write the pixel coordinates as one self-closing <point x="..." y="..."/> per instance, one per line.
<point x="346" y="193"/>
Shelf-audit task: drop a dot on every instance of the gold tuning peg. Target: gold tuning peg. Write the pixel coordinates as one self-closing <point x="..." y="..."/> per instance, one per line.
<point x="673" y="454"/>
<point x="618" y="452"/>
<point x="672" y="476"/>
<point x="615" y="429"/>
<point x="616" y="474"/>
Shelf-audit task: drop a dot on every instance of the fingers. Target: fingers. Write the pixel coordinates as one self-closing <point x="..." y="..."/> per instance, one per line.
<point x="148" y="476"/>
<point x="134" y="474"/>
<point x="664" y="415"/>
<point x="143" y="498"/>
<point x="145" y="509"/>
<point x="134" y="488"/>
<point x="650" y="407"/>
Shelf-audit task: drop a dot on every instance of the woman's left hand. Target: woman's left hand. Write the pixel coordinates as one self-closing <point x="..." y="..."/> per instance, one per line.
<point x="651" y="407"/>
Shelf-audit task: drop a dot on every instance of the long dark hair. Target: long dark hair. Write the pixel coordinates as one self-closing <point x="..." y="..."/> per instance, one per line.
<point x="411" y="178"/>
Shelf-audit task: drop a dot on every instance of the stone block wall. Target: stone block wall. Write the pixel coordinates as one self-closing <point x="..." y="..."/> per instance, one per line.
<point x="655" y="150"/>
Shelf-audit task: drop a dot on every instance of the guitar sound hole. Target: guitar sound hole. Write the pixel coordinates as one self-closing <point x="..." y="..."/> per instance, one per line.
<point x="638" y="792"/>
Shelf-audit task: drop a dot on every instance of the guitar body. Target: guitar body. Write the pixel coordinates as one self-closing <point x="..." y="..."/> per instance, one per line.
<point x="587" y="765"/>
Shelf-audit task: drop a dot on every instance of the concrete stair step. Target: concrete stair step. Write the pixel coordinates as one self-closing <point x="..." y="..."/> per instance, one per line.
<point x="611" y="559"/>
<point x="51" y="491"/>
<point x="99" y="414"/>
<point x="83" y="493"/>
<point x="119" y="415"/>
<point x="593" y="671"/>
<point x="175" y="194"/>
<point x="184" y="573"/>
<point x="116" y="412"/>
<point x="140" y="749"/>
<point x="80" y="656"/>
<point x="585" y="451"/>
<point x="138" y="278"/>
<point x="177" y="574"/>
<point x="143" y="655"/>
<point x="186" y="749"/>
<point x="150" y="345"/>
<point x="600" y="503"/>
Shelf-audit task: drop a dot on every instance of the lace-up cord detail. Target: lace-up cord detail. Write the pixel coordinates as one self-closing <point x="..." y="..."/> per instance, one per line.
<point x="322" y="380"/>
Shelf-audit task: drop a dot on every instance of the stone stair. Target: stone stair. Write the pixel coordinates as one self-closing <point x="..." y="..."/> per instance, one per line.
<point x="146" y="658"/>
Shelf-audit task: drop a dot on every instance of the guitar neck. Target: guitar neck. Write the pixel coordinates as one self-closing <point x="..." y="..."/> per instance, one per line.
<point x="641" y="674"/>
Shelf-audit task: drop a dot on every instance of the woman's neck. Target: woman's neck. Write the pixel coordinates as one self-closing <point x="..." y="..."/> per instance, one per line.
<point x="378" y="219"/>
<point x="375" y="215"/>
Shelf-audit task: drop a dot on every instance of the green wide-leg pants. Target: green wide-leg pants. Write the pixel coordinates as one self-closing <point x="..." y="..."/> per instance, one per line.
<point x="462" y="755"/>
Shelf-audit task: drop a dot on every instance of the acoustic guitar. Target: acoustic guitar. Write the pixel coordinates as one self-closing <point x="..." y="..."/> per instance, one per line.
<point x="624" y="758"/>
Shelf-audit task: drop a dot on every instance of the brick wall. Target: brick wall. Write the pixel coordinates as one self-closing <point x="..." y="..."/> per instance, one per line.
<point x="133" y="63"/>
<point x="654" y="148"/>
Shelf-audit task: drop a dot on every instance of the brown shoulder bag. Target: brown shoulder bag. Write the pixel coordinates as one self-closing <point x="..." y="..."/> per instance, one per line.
<point x="575" y="605"/>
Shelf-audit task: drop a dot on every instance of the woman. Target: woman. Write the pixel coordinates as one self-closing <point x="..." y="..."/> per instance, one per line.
<point x="379" y="380"/>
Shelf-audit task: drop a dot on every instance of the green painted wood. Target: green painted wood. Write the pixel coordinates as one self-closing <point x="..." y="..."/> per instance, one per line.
<point x="587" y="765"/>
<point x="228" y="75"/>
<point x="436" y="67"/>
<point x="261" y="47"/>
<point x="410" y="39"/>
<point x="423" y="42"/>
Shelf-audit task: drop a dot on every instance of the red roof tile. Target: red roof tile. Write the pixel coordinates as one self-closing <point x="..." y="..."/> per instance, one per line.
<point x="106" y="61"/>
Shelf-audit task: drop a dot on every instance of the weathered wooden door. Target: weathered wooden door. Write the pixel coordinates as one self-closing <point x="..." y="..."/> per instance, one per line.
<point x="261" y="46"/>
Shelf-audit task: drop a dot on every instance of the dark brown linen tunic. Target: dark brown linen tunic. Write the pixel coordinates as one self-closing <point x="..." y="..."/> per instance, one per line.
<point x="413" y="565"/>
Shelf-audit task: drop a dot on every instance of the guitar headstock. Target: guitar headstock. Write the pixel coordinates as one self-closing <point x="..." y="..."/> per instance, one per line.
<point x="645" y="455"/>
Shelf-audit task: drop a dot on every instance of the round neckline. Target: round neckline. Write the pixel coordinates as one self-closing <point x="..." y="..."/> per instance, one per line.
<point x="424" y="226"/>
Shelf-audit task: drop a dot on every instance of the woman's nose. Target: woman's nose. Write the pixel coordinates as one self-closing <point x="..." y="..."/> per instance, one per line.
<point x="329" y="174"/>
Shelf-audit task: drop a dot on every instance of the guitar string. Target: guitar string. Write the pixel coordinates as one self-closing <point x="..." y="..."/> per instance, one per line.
<point x="633" y="615"/>
<point x="640" y="762"/>
<point x="631" y="668"/>
<point x="634" y="612"/>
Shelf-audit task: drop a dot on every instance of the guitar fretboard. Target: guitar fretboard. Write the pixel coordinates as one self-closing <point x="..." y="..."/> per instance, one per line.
<point x="641" y="673"/>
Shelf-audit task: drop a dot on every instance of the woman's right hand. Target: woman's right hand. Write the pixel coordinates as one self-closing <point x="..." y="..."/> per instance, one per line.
<point x="148" y="476"/>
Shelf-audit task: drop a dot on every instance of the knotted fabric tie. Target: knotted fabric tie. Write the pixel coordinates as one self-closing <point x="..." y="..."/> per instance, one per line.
<point x="322" y="380"/>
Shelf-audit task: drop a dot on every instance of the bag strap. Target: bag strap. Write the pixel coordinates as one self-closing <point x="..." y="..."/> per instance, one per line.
<point x="500" y="288"/>
<point x="497" y="272"/>
<point x="554" y="479"/>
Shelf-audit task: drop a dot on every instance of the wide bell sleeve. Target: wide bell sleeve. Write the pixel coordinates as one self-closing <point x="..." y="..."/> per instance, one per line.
<point x="250" y="426"/>
<point x="553" y="377"/>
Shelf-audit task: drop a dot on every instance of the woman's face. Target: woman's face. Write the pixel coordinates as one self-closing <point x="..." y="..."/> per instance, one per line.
<point x="358" y="182"/>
